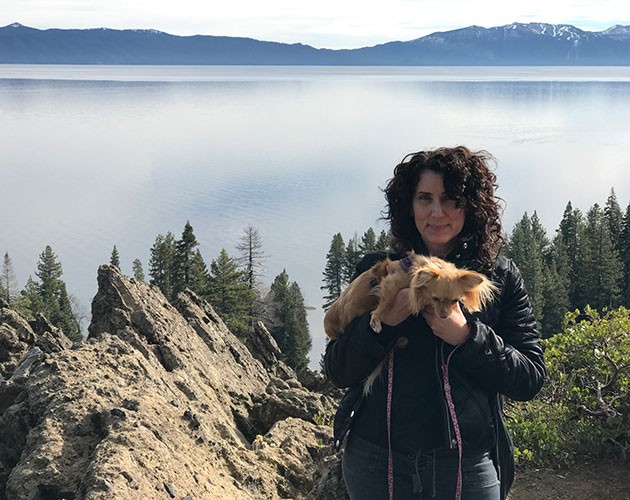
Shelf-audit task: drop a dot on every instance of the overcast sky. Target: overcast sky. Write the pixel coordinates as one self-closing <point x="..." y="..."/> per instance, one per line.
<point x="320" y="23"/>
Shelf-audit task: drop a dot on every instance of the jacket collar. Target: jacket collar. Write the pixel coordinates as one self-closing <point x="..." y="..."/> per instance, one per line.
<point x="463" y="251"/>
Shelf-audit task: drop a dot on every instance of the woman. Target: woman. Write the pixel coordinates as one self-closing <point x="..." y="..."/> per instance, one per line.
<point x="432" y="425"/>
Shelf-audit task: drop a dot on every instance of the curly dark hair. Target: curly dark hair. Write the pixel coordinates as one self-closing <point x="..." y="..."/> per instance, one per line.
<point x="467" y="179"/>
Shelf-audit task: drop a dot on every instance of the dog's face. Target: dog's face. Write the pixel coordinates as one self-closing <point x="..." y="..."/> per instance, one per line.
<point x="444" y="286"/>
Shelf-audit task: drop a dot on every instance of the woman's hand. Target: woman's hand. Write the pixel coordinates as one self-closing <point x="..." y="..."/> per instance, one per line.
<point x="400" y="311"/>
<point x="452" y="330"/>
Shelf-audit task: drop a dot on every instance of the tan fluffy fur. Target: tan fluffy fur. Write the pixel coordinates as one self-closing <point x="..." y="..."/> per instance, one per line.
<point x="358" y="298"/>
<point x="388" y="289"/>
<point x="441" y="284"/>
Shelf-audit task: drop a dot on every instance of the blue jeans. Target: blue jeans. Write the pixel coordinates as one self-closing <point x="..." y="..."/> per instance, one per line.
<point x="420" y="475"/>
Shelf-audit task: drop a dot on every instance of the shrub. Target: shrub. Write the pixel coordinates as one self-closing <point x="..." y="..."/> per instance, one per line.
<point x="582" y="411"/>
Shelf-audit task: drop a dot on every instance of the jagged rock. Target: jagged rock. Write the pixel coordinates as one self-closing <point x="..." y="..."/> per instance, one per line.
<point x="17" y="337"/>
<point x="23" y="369"/>
<point x="160" y="401"/>
<point x="265" y="349"/>
<point x="316" y="381"/>
<point x="284" y="401"/>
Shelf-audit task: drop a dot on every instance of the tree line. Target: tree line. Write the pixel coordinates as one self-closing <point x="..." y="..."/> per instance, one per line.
<point x="231" y="284"/>
<point x="586" y="262"/>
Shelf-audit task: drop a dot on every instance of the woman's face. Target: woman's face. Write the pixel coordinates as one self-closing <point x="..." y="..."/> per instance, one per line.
<point x="437" y="218"/>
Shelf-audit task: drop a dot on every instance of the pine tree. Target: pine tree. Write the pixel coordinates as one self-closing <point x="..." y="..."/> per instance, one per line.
<point x="29" y="302"/>
<point x="251" y="260"/>
<point x="557" y="302"/>
<point x="526" y="246"/>
<point x="351" y="259"/>
<point x="229" y="293"/>
<point x="600" y="267"/>
<point x="614" y="219"/>
<point x="368" y="242"/>
<point x="568" y="236"/>
<point x="162" y="264"/>
<point x="198" y="274"/>
<point x="49" y="272"/>
<point x="8" y="282"/>
<point x="114" y="259"/>
<point x="251" y="257"/>
<point x="383" y="241"/>
<point x="184" y="252"/>
<point x="299" y="336"/>
<point x="55" y="303"/>
<point x="290" y="326"/>
<point x="138" y="272"/>
<point x="334" y="272"/>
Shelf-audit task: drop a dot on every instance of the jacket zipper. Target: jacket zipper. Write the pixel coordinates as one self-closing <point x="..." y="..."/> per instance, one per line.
<point x="452" y="442"/>
<point x="439" y="353"/>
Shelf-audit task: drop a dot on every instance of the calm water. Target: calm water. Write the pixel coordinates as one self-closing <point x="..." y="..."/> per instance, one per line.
<point x="94" y="156"/>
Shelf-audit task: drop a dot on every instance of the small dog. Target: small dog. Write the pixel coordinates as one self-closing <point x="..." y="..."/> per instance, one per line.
<point x="437" y="283"/>
<point x="432" y="282"/>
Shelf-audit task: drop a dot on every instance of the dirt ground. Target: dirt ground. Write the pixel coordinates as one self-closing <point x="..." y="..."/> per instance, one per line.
<point x="585" y="482"/>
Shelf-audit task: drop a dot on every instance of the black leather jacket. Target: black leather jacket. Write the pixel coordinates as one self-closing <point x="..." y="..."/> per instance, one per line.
<point x="501" y="357"/>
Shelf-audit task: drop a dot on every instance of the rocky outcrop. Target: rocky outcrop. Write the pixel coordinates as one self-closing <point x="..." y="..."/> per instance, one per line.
<point x="161" y="401"/>
<point x="18" y="336"/>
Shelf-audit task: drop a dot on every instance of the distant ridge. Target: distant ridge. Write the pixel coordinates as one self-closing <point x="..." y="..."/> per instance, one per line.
<point x="536" y="44"/>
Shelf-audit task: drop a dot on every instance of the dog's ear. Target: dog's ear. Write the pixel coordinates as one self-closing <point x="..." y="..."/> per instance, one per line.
<point x="470" y="279"/>
<point x="478" y="290"/>
<point x="420" y="280"/>
<point x="392" y="266"/>
<point x="380" y="269"/>
<point x="422" y="277"/>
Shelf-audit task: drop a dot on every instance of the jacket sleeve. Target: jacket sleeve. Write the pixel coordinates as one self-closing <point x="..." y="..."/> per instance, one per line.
<point x="353" y="356"/>
<point x="509" y="358"/>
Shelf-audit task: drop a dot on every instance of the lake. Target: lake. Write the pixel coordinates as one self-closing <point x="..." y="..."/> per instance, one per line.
<point x="97" y="156"/>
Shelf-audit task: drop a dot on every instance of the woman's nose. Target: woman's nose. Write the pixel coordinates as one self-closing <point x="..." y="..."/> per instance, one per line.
<point x="436" y="208"/>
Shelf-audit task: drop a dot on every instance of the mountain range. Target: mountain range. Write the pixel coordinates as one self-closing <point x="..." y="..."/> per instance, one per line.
<point x="535" y="44"/>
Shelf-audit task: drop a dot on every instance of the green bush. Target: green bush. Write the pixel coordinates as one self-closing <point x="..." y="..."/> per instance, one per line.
<point x="582" y="411"/>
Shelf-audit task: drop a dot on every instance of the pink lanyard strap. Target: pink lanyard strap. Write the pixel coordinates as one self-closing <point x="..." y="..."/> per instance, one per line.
<point x="390" y="458"/>
<point x="458" y="435"/>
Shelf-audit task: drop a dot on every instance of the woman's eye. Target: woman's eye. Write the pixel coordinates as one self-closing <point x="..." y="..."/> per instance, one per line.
<point x="450" y="202"/>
